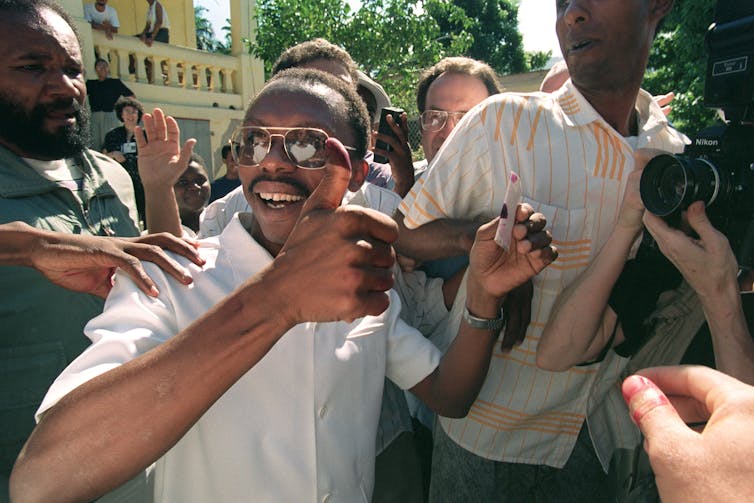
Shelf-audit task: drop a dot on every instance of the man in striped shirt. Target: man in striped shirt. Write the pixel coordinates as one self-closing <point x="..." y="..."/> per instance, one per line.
<point x="525" y="438"/>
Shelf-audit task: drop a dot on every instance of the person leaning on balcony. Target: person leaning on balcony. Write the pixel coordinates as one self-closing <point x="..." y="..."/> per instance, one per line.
<point x="102" y="17"/>
<point x="157" y="28"/>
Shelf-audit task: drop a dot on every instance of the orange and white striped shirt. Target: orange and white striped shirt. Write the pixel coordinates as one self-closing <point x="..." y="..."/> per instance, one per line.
<point x="573" y="168"/>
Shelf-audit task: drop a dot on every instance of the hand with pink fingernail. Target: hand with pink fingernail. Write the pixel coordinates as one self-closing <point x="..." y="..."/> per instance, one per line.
<point x="698" y="425"/>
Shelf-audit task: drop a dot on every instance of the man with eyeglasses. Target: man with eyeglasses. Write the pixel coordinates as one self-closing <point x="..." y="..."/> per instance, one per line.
<point x="445" y="92"/>
<point x="263" y="381"/>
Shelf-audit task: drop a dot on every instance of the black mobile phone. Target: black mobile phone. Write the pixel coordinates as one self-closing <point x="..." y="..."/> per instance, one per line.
<point x="384" y="128"/>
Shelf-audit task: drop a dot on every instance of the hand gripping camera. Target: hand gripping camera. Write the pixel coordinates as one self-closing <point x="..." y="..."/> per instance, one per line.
<point x="718" y="167"/>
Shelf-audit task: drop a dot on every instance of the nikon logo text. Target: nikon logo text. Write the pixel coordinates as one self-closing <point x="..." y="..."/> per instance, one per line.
<point x="706" y="142"/>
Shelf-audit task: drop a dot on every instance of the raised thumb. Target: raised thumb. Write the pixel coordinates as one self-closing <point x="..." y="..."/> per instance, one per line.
<point x="331" y="189"/>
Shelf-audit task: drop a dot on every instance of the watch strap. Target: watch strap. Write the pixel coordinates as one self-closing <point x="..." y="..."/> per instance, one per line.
<point x="483" y="323"/>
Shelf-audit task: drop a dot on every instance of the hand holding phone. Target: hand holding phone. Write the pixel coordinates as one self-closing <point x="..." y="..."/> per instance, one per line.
<point x="384" y="128"/>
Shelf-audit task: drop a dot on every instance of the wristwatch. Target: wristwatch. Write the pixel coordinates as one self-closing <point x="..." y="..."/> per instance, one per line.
<point x="483" y="323"/>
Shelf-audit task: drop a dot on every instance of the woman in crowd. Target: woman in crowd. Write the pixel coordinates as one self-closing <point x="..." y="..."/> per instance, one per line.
<point x="120" y="144"/>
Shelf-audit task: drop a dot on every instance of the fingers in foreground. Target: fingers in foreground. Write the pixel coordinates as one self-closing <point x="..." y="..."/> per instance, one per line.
<point x="155" y="254"/>
<point x="133" y="268"/>
<point x="703" y="384"/>
<point x="185" y="247"/>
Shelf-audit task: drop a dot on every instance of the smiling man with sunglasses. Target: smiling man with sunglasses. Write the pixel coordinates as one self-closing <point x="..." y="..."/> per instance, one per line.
<point x="263" y="381"/>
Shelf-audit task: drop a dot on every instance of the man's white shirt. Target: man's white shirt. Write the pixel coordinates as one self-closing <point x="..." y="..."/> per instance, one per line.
<point x="300" y="425"/>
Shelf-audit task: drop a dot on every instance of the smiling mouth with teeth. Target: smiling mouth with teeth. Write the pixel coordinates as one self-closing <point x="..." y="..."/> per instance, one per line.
<point x="278" y="200"/>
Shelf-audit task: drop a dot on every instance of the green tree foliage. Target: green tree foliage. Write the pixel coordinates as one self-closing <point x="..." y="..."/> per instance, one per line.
<point x="394" y="40"/>
<point x="538" y="59"/>
<point x="205" y="34"/>
<point x="678" y="63"/>
<point x="284" y="23"/>
<point x="493" y="26"/>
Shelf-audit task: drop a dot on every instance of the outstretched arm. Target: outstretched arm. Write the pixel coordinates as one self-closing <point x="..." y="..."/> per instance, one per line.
<point x="435" y="240"/>
<point x="108" y="429"/>
<point x="86" y="263"/>
<point x="582" y="323"/>
<point x="452" y="388"/>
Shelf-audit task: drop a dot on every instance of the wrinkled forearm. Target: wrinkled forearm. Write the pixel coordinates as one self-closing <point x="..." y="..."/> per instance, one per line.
<point x="731" y="340"/>
<point x="453" y="387"/>
<point x="17" y="239"/>
<point x="435" y="240"/>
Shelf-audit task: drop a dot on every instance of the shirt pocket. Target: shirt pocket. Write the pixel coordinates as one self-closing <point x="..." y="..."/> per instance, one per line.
<point x="570" y="234"/>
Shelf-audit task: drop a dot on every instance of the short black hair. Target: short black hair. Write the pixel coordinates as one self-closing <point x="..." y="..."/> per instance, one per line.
<point x="312" y="50"/>
<point x="461" y="65"/>
<point x="33" y="9"/>
<point x="128" y="101"/>
<point x="353" y="108"/>
<point x="101" y="60"/>
<point x="225" y="150"/>
<point x="199" y="160"/>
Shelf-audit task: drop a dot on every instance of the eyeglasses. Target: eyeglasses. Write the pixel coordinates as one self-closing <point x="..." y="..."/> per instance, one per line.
<point x="435" y="120"/>
<point x="304" y="146"/>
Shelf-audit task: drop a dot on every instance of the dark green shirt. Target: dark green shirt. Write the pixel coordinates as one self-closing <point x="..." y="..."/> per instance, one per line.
<point x="41" y="325"/>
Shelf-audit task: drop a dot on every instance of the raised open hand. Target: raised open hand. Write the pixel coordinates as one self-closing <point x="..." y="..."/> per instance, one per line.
<point x="162" y="160"/>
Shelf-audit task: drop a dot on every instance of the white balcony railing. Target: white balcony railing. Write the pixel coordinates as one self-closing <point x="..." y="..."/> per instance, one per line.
<point x="197" y="76"/>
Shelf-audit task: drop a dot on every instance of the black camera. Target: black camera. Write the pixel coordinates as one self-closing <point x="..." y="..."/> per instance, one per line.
<point x="718" y="166"/>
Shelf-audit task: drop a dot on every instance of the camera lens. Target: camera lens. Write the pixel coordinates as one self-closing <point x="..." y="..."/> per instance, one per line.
<point x="670" y="183"/>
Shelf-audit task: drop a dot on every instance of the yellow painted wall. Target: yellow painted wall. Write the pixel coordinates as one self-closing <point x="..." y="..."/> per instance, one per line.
<point x="132" y="15"/>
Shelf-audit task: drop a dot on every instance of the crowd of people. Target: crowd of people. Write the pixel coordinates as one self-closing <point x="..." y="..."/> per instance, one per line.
<point x="317" y="326"/>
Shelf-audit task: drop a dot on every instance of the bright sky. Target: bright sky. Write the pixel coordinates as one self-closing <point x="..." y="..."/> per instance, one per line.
<point x="217" y="12"/>
<point x="536" y="20"/>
